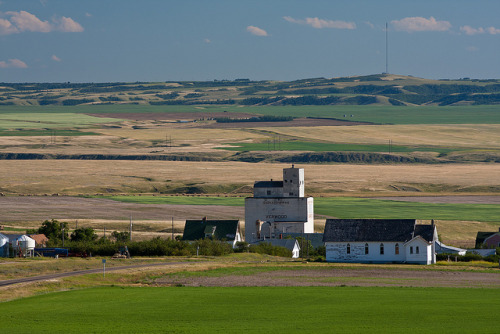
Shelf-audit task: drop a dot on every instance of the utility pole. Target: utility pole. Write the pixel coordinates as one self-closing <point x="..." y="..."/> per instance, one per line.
<point x="62" y="232"/>
<point x="130" y="228"/>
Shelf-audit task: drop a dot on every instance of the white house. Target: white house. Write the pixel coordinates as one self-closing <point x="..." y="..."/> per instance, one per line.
<point x="379" y="241"/>
<point x="279" y="207"/>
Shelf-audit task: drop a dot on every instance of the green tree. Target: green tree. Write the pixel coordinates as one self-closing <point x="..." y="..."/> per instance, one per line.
<point x="84" y="234"/>
<point x="121" y="236"/>
<point x="54" y="230"/>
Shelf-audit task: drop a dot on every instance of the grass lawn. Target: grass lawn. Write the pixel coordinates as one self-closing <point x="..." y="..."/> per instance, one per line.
<point x="255" y="309"/>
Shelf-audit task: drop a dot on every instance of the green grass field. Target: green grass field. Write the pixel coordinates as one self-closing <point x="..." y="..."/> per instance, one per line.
<point x="255" y="310"/>
<point x="487" y="114"/>
<point x="34" y="119"/>
<point x="328" y="147"/>
<point x="349" y="207"/>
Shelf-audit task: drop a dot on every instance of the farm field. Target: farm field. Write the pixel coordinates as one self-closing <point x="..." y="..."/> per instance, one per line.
<point x="74" y="177"/>
<point x="308" y="309"/>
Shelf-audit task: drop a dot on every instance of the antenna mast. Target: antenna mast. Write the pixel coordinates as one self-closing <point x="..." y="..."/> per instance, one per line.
<point x="386" y="49"/>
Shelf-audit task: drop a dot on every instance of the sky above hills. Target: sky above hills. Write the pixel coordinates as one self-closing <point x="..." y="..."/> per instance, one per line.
<point x="164" y="40"/>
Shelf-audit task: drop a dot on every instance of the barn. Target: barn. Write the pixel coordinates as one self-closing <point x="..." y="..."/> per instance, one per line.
<point x="380" y="241"/>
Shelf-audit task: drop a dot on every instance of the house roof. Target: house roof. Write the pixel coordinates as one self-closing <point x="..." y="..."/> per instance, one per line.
<point x="316" y="239"/>
<point x="218" y="229"/>
<point x="287" y="243"/>
<point x="40" y="239"/>
<point x="268" y="184"/>
<point x="352" y="230"/>
<point x="482" y="236"/>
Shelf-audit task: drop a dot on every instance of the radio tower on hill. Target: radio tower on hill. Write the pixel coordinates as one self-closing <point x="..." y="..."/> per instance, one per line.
<point x="386" y="49"/>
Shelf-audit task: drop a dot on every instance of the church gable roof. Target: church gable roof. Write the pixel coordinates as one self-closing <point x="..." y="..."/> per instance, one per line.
<point x="352" y="230"/>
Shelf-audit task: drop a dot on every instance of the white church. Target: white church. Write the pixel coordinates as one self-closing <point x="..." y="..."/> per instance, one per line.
<point x="279" y="207"/>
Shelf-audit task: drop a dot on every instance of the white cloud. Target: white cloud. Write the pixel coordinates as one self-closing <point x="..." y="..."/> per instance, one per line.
<point x="320" y="23"/>
<point x="23" y="21"/>
<point x="371" y="25"/>
<point x="55" y="58"/>
<point x="468" y="30"/>
<point x="206" y="40"/>
<point x="493" y="30"/>
<point x="67" y="24"/>
<point x="412" y="24"/>
<point x="13" y="63"/>
<point x="256" y="31"/>
<point x="7" y="28"/>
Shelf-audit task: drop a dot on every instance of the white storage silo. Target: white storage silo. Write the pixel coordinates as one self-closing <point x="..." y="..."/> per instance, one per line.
<point x="24" y="246"/>
<point x="4" y="246"/>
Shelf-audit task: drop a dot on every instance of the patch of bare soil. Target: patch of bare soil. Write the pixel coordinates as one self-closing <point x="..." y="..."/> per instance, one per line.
<point x="30" y="208"/>
<point x="349" y="277"/>
<point x="294" y="123"/>
<point x="447" y="199"/>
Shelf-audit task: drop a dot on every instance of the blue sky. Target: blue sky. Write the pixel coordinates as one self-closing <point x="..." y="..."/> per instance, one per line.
<point x="162" y="40"/>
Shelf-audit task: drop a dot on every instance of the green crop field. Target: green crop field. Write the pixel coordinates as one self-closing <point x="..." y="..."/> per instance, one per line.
<point x="487" y="114"/>
<point x="255" y="309"/>
<point x="39" y="120"/>
<point x="349" y="207"/>
<point x="327" y="147"/>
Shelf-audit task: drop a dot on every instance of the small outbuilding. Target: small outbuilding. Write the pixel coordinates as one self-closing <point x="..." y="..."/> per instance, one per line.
<point x="291" y="244"/>
<point x="379" y="241"/>
<point x="445" y="249"/>
<point x="40" y="240"/>
<point x="225" y="230"/>
<point x="488" y="239"/>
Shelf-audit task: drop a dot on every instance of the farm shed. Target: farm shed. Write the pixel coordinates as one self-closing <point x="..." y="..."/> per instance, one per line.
<point x="4" y="246"/>
<point x="445" y="249"/>
<point x="40" y="239"/>
<point x="290" y="244"/>
<point x="379" y="241"/>
<point x="490" y="239"/>
<point x="226" y="230"/>
<point x="316" y="239"/>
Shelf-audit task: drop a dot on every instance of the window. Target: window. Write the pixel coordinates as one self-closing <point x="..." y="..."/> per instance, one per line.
<point x="269" y="192"/>
<point x="416" y="250"/>
<point x="411" y="249"/>
<point x="348" y="248"/>
<point x="396" y="249"/>
<point x="381" y="249"/>
<point x="366" y="248"/>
